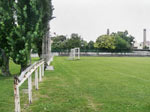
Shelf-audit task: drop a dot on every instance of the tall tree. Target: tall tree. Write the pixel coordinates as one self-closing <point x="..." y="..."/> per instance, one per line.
<point x="46" y="12"/>
<point x="6" y="26"/>
<point x="24" y="32"/>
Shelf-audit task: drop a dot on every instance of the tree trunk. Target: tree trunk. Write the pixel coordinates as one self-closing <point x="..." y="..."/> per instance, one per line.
<point x="26" y="64"/>
<point x="46" y="47"/>
<point x="40" y="55"/>
<point x="30" y="57"/>
<point x="23" y="67"/>
<point x="5" y="65"/>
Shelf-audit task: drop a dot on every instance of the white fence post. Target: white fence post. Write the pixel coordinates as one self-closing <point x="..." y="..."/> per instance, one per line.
<point x="43" y="69"/>
<point x="74" y="54"/>
<point x="17" y="96"/>
<point x="78" y="53"/>
<point x="30" y="89"/>
<point x="40" y="75"/>
<point x="38" y="68"/>
<point x="36" y="79"/>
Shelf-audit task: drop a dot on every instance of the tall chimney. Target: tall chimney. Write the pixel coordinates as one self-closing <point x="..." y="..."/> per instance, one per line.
<point x="144" y="38"/>
<point x="107" y="31"/>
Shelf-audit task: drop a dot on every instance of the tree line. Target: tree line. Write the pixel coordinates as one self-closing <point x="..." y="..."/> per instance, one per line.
<point x="115" y="42"/>
<point x="23" y="24"/>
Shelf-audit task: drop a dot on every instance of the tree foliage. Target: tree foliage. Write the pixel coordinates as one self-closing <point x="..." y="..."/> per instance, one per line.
<point x="116" y="42"/>
<point x="62" y="43"/>
<point x="32" y="18"/>
<point x="105" y="42"/>
<point x="25" y="32"/>
<point x="59" y="43"/>
<point x="123" y="41"/>
<point x="121" y="44"/>
<point x="45" y="9"/>
<point x="91" y="45"/>
<point x="6" y="26"/>
<point x="74" y="41"/>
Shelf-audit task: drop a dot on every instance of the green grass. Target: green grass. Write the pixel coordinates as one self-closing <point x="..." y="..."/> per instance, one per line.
<point x="92" y="84"/>
<point x="6" y="88"/>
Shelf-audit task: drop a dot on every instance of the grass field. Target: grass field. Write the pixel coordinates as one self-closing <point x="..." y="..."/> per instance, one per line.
<point x="92" y="84"/>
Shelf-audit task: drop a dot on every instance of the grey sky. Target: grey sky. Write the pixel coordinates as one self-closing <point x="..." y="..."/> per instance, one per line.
<point x="91" y="18"/>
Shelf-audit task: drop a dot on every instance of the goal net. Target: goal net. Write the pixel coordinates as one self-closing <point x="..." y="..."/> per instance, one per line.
<point x="74" y="54"/>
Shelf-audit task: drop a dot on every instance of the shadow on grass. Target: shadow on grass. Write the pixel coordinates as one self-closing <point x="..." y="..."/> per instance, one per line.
<point x="6" y="77"/>
<point x="15" y="69"/>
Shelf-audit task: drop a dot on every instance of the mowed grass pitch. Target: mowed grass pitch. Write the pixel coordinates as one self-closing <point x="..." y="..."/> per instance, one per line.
<point x="92" y="84"/>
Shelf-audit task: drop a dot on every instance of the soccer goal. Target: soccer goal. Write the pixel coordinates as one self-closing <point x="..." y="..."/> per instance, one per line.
<point x="74" y="54"/>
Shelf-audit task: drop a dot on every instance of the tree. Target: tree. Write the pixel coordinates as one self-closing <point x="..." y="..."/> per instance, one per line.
<point x="25" y="32"/>
<point x="59" y="43"/>
<point x="121" y="44"/>
<point x="6" y="26"/>
<point x="74" y="41"/>
<point x="124" y="35"/>
<point x="32" y="18"/>
<point x="123" y="41"/>
<point x="91" y="45"/>
<point x="84" y="45"/>
<point x="105" y="42"/>
<point x="46" y="10"/>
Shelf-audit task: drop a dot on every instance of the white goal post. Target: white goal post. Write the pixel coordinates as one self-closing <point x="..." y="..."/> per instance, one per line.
<point x="74" y="54"/>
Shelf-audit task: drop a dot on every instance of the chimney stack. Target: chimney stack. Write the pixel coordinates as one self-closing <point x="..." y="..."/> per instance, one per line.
<point x="107" y="31"/>
<point x="144" y="38"/>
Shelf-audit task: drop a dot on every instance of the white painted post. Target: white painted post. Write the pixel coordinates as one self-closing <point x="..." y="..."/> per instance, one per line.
<point x="74" y="53"/>
<point x="43" y="69"/>
<point x="27" y="74"/>
<point x="52" y="58"/>
<point x="36" y="80"/>
<point x="17" y="96"/>
<point x="40" y="75"/>
<point x="78" y="53"/>
<point x="30" y="89"/>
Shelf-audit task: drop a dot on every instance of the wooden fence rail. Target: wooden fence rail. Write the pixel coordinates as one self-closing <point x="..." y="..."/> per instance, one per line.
<point x="38" y="68"/>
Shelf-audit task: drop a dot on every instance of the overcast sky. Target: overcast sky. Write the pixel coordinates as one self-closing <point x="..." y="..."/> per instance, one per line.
<point x="91" y="18"/>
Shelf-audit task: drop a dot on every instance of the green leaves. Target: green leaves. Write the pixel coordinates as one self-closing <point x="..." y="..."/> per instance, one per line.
<point x="105" y="42"/>
<point x="123" y="41"/>
<point x="32" y="17"/>
<point x="119" y="42"/>
<point x="43" y="15"/>
<point x="6" y="25"/>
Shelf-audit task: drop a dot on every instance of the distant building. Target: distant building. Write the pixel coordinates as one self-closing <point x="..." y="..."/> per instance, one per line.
<point x="141" y="45"/>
